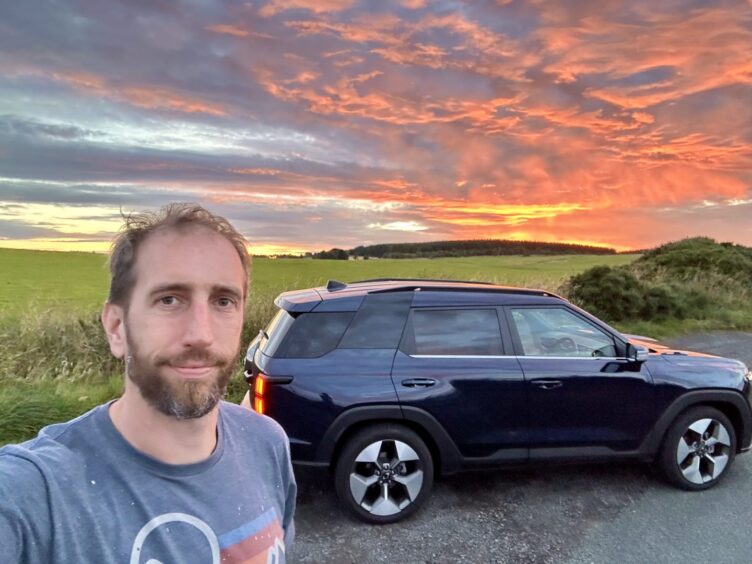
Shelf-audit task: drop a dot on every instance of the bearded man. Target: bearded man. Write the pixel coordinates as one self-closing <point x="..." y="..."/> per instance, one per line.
<point x="168" y="472"/>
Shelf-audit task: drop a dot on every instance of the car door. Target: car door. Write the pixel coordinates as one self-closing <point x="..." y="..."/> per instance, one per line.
<point x="454" y="364"/>
<point x="585" y="397"/>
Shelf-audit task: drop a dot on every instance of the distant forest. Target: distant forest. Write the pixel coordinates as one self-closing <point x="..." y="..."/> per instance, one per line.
<point x="473" y="248"/>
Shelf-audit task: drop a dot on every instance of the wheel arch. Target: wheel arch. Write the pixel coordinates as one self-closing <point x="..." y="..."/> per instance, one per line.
<point x="734" y="416"/>
<point x="732" y="404"/>
<point x="446" y="457"/>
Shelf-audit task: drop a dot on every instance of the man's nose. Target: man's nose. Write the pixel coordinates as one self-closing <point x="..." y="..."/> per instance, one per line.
<point x="198" y="332"/>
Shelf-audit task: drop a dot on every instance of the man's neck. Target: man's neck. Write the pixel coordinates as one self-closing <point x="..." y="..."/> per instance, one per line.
<point x="168" y="439"/>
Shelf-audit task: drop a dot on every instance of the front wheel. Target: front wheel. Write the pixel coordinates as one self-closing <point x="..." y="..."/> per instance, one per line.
<point x="698" y="449"/>
<point x="384" y="473"/>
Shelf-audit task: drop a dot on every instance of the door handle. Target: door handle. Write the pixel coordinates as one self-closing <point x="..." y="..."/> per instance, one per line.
<point x="418" y="382"/>
<point x="547" y="384"/>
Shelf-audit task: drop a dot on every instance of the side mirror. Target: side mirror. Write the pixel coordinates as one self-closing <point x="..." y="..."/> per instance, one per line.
<point x="637" y="353"/>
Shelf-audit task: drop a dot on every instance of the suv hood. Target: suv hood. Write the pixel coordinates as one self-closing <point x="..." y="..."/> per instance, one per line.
<point x="684" y="358"/>
<point x="656" y="347"/>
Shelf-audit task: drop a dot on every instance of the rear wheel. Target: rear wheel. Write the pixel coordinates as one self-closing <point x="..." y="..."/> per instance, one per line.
<point x="384" y="473"/>
<point x="698" y="449"/>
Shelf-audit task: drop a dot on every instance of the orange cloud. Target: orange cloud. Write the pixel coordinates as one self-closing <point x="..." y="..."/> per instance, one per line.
<point x="478" y="49"/>
<point x="257" y="171"/>
<point x="346" y="99"/>
<point x="161" y="98"/>
<point x="704" y="49"/>
<point x="237" y="31"/>
<point x="155" y="98"/>
<point x="413" y="4"/>
<point x="465" y="214"/>
<point x="316" y="6"/>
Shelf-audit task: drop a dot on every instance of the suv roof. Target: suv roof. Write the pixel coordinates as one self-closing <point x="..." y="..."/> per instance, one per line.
<point x="306" y="300"/>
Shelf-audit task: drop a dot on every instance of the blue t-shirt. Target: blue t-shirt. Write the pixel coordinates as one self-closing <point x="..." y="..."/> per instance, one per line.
<point x="79" y="492"/>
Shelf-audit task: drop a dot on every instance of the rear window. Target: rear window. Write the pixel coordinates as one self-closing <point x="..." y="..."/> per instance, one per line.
<point x="313" y="335"/>
<point x="276" y="330"/>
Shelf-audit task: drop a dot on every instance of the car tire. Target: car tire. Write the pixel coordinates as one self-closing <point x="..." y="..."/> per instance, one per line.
<point x="698" y="449"/>
<point x="384" y="473"/>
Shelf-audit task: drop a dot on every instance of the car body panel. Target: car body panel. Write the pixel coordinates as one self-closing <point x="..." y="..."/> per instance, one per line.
<point x="321" y="389"/>
<point x="479" y="400"/>
<point x="585" y="402"/>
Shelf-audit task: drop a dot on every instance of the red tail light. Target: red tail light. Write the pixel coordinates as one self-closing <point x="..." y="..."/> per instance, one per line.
<point x="259" y="386"/>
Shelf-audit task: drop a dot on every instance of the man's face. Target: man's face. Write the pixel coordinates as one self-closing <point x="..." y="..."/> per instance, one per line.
<point x="184" y="319"/>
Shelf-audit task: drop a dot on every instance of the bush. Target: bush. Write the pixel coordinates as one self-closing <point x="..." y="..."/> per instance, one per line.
<point x="696" y="258"/>
<point x="615" y="294"/>
<point x="689" y="279"/>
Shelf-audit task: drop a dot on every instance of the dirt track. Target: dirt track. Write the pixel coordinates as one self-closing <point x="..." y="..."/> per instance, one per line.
<point x="613" y="513"/>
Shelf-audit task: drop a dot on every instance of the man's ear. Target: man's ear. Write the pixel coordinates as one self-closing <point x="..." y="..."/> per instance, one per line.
<point x="113" y="321"/>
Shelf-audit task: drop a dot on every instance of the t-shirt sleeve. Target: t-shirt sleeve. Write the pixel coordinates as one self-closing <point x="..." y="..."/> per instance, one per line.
<point x="24" y="515"/>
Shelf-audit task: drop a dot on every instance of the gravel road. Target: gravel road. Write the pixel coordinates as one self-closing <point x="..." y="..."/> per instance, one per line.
<point x="576" y="514"/>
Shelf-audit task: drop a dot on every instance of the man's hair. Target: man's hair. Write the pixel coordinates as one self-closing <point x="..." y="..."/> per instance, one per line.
<point x="137" y="227"/>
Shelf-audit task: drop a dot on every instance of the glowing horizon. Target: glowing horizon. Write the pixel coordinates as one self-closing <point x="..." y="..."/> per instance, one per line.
<point x="315" y="125"/>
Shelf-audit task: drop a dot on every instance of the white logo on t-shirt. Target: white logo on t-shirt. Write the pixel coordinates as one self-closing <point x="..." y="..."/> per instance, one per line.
<point x="160" y="520"/>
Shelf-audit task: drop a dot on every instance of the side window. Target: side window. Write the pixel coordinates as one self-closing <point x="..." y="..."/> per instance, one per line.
<point x="454" y="332"/>
<point x="314" y="334"/>
<point x="559" y="332"/>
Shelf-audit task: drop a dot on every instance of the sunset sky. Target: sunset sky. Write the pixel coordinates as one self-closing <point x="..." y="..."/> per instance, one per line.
<point x="313" y="124"/>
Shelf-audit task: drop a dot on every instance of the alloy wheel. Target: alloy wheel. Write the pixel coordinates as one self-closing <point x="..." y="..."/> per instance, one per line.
<point x="703" y="451"/>
<point x="387" y="476"/>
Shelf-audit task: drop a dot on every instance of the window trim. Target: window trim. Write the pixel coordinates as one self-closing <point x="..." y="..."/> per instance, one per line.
<point x="537" y="357"/>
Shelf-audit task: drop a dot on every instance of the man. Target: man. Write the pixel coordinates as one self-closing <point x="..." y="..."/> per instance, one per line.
<point x="168" y="472"/>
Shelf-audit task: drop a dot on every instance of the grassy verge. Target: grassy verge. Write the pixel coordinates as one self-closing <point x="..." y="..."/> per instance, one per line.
<point x="27" y="406"/>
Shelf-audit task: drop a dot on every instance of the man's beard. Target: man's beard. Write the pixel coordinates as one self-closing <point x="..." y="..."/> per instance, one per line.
<point x="182" y="399"/>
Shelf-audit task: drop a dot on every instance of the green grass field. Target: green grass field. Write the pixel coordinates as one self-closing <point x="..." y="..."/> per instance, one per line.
<point x="54" y="360"/>
<point x="77" y="282"/>
<point x="40" y="279"/>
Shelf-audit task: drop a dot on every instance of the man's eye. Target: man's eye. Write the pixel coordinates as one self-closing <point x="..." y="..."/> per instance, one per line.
<point x="225" y="302"/>
<point x="168" y="300"/>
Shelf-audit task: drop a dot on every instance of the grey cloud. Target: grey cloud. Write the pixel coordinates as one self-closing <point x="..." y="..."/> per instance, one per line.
<point x="83" y="194"/>
<point x="14" y="125"/>
<point x="10" y="229"/>
<point x="86" y="162"/>
<point x="261" y="223"/>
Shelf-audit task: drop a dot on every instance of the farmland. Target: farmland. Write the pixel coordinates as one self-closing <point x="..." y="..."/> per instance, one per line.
<point x="77" y="282"/>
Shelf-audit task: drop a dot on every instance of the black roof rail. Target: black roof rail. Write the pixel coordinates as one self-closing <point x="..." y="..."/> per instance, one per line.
<point x="496" y="290"/>
<point x="418" y="280"/>
<point x="415" y="284"/>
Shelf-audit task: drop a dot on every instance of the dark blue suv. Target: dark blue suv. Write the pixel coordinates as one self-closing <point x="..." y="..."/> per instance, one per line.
<point x="389" y="382"/>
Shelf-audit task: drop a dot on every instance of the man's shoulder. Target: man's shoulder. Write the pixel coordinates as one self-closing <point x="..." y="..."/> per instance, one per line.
<point x="257" y="427"/>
